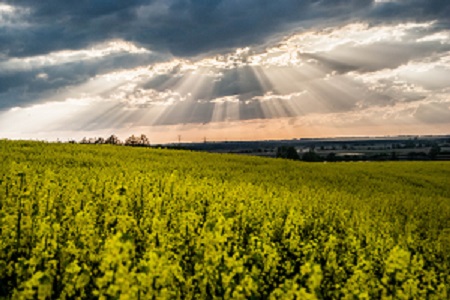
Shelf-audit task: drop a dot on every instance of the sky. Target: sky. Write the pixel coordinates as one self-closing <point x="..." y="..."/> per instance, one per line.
<point x="223" y="70"/>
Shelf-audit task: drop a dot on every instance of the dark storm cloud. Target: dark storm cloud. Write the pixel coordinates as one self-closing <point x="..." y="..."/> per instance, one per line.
<point x="191" y="27"/>
<point x="183" y="27"/>
<point x="23" y="86"/>
<point x="417" y="10"/>
<point x="56" y="25"/>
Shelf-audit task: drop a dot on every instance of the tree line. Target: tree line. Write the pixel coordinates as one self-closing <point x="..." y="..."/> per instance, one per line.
<point x="139" y="140"/>
<point x="289" y="152"/>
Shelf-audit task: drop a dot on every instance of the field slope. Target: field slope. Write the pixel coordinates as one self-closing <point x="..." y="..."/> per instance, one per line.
<point x="111" y="222"/>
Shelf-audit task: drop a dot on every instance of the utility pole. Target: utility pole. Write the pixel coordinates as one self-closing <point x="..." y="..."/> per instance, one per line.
<point x="179" y="140"/>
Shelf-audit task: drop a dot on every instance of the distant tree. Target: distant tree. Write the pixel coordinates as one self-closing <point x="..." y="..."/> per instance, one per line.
<point x="144" y="141"/>
<point x="88" y="141"/>
<point x="100" y="140"/>
<point x="137" y="140"/>
<point x="288" y="152"/>
<point x="331" y="156"/>
<point x="394" y="156"/>
<point x="132" y="141"/>
<point x="410" y="144"/>
<point x="434" y="151"/>
<point x="417" y="155"/>
<point x="113" y="140"/>
<point x="311" y="156"/>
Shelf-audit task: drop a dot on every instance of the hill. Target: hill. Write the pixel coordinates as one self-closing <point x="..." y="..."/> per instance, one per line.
<point x="114" y="222"/>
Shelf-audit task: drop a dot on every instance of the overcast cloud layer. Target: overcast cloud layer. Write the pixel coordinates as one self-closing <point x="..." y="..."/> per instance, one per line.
<point x="70" y="69"/>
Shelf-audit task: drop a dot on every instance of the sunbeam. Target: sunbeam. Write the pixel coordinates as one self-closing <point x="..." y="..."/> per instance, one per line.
<point x="324" y="82"/>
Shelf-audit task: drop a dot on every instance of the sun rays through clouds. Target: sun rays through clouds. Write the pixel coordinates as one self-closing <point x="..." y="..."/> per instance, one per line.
<point x="374" y="79"/>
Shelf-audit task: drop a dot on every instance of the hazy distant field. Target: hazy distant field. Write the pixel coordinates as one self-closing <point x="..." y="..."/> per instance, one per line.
<point x="115" y="222"/>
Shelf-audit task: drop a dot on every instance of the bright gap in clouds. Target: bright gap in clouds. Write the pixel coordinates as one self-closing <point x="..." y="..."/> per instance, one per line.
<point x="70" y="56"/>
<point x="4" y="8"/>
<point x="352" y="80"/>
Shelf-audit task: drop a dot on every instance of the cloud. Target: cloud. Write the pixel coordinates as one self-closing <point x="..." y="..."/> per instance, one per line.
<point x="189" y="28"/>
<point x="411" y="10"/>
<point x="69" y="56"/>
<point x="372" y="66"/>
<point x="172" y="62"/>
<point x="434" y="112"/>
<point x="29" y="79"/>
<point x="247" y="72"/>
